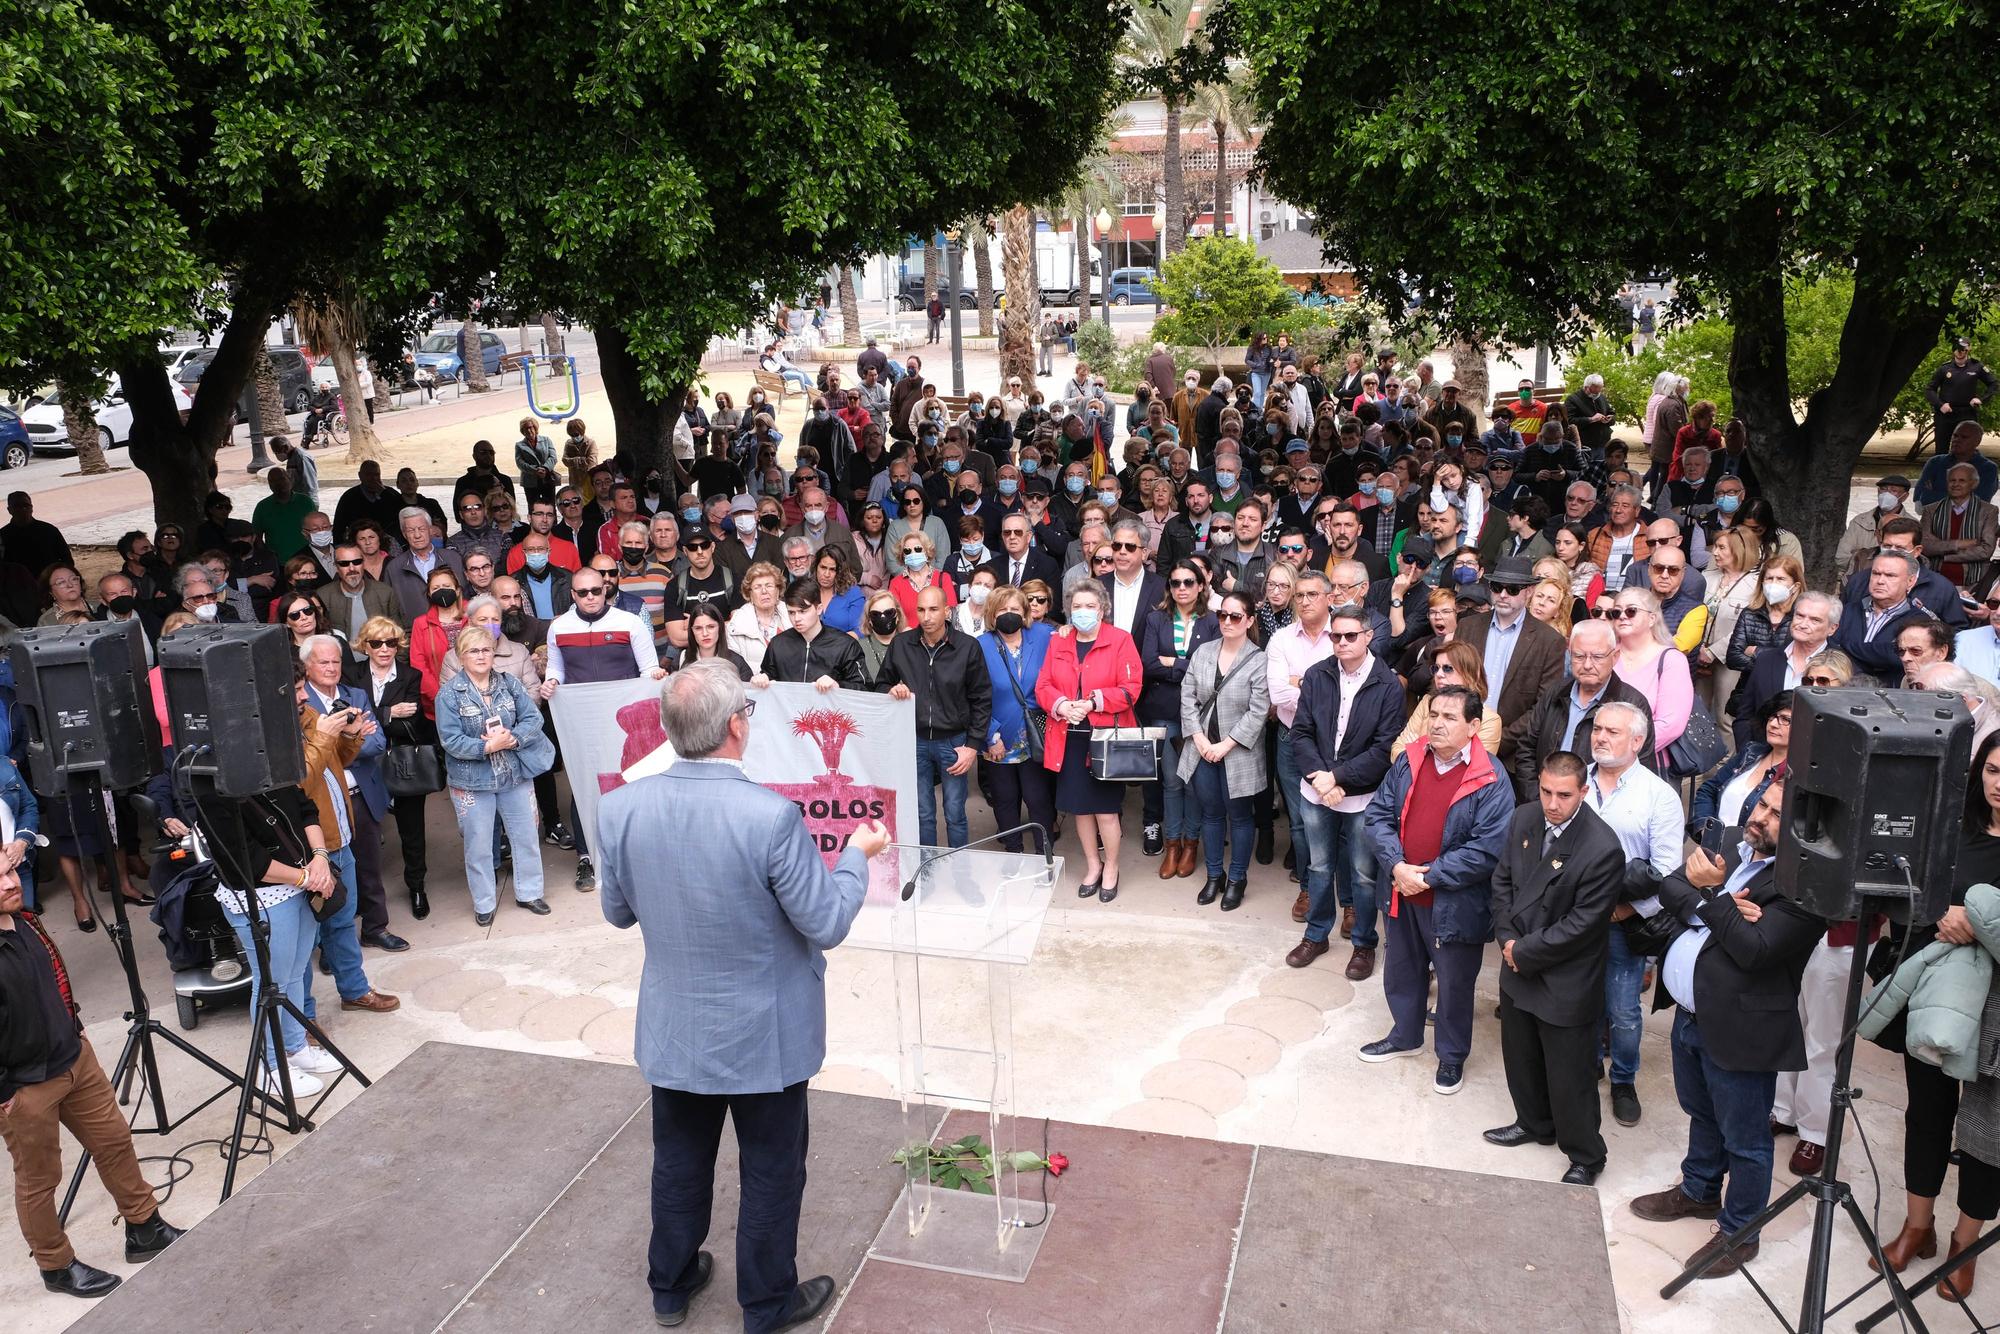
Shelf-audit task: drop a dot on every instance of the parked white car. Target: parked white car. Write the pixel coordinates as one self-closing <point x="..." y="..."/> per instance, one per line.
<point x="42" y="416"/>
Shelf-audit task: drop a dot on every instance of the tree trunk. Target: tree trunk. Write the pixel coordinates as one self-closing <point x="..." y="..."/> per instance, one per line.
<point x="1170" y="179"/>
<point x="982" y="275"/>
<point x="933" y="261"/>
<point x="80" y="421"/>
<point x="381" y="383"/>
<point x="1222" y="177"/>
<point x="1082" y="229"/>
<point x="1468" y="367"/>
<point x="1023" y="316"/>
<point x="1806" y="467"/>
<point x="271" y="403"/>
<point x="850" y="308"/>
<point x="643" y="428"/>
<point x="473" y="375"/>
<point x="552" y="334"/>
<point x="362" y="442"/>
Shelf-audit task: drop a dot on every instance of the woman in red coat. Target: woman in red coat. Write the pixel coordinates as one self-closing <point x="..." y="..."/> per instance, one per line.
<point x="1091" y="678"/>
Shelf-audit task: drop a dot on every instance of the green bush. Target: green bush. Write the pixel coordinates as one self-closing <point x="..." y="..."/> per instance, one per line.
<point x="1095" y="343"/>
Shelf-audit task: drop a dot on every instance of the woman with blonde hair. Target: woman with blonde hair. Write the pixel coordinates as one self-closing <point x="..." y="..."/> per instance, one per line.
<point x="881" y="621"/>
<point x="1766" y="618"/>
<point x="490" y="726"/>
<point x="916" y="567"/>
<point x="395" y="688"/>
<point x="760" y="619"/>
<point x="1733" y="576"/>
<point x="1453" y="663"/>
<point x="1649" y="663"/>
<point x="1550" y="602"/>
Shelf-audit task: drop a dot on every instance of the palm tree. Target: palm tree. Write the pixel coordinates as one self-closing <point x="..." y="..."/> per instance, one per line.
<point x="270" y="397"/>
<point x="1157" y="32"/>
<point x="337" y="324"/>
<point x="79" y="410"/>
<point x="933" y="277"/>
<point x="850" y="306"/>
<point x="975" y="235"/>
<point x="473" y="374"/>
<point x="1023" y="316"/>
<point x="1227" y="106"/>
<point x="1098" y="184"/>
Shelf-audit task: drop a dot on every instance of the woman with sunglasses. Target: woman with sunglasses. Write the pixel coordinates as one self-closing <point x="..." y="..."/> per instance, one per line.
<point x="1225" y="705"/>
<point x="170" y="549"/>
<point x="1829" y="668"/>
<point x="881" y="621"/>
<point x="303" y="615"/>
<point x="1167" y="646"/>
<point x="916" y="518"/>
<point x="1452" y="663"/>
<point x="395" y="688"/>
<point x="1090" y="679"/>
<point x="916" y="562"/>
<point x="1731" y="792"/>
<point x="431" y="634"/>
<point x="1015" y="650"/>
<point x="1650" y="664"/>
<point x="1040" y="598"/>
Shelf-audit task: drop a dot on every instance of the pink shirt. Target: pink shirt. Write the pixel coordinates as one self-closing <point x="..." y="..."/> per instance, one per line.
<point x="1669" y="688"/>
<point x="1288" y="654"/>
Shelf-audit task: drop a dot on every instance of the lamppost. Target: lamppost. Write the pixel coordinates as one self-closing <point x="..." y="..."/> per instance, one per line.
<point x="1104" y="259"/>
<point x="950" y="239"/>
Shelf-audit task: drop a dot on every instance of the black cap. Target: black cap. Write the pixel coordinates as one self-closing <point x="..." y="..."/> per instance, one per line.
<point x="1419" y="549"/>
<point x="1961" y="344"/>
<point x="1474" y="595"/>
<point x="1037" y="485"/>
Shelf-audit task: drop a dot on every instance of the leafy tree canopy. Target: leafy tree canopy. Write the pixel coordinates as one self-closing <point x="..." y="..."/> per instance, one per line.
<point x="1219" y="290"/>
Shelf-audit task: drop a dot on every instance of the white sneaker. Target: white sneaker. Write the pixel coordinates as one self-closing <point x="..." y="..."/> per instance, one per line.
<point x="303" y="1084"/>
<point x="312" y="1060"/>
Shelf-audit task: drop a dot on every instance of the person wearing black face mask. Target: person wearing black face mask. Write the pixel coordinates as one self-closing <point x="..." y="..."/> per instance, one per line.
<point x="1010" y="756"/>
<point x="880" y="625"/>
<point x="120" y="603"/>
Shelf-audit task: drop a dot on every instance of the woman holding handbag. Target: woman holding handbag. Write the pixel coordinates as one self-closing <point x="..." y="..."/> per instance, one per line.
<point x="491" y="728"/>
<point x="1012" y="755"/>
<point x="1170" y="641"/>
<point x="1089" y="680"/>
<point x="412" y="768"/>
<point x="1225" y="704"/>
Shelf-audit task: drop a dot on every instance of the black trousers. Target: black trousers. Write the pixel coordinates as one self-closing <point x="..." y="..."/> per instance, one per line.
<point x="1015" y="785"/>
<point x="1928" y="1118"/>
<point x="373" y="909"/>
<point x="410" y="833"/>
<point x="771" y="1137"/>
<point x="1552" y="1076"/>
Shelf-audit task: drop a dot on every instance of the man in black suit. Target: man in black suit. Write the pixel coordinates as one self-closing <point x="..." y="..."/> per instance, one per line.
<point x="1553" y="893"/>
<point x="1020" y="559"/>
<point x="1737" y="960"/>
<point x="1562" y="717"/>
<point x="1134" y="593"/>
<point x="1517" y="674"/>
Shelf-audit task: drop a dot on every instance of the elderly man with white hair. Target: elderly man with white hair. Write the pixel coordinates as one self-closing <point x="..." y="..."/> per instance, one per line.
<point x="1981" y="696"/>
<point x="1644" y="811"/>
<point x="1563" y="717"/>
<point x="1869" y="626"/>
<point x="1590" y="412"/>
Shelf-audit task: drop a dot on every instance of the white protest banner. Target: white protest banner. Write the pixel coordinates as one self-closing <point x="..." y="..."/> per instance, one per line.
<point x="844" y="757"/>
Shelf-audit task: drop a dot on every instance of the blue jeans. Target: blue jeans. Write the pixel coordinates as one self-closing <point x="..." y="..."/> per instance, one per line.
<point x="1340" y="848"/>
<point x="477" y="811"/>
<point x="1288" y="786"/>
<point x="1211" y="789"/>
<point x="792" y="377"/>
<point x="1729" y="1127"/>
<point x="1624" y="1007"/>
<point x="340" y="938"/>
<point x="292" y="934"/>
<point x="1171" y="803"/>
<point x="934" y="756"/>
<point x="1260" y="384"/>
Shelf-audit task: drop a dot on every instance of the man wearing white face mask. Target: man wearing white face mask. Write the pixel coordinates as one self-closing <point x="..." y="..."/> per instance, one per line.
<point x="1858" y="543"/>
<point x="198" y="595"/>
<point x="318" y="529"/>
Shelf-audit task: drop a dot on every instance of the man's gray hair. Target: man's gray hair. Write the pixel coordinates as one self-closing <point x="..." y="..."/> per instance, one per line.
<point x="1311" y="577"/>
<point x="696" y="705"/>
<point x="194" y="569"/>
<point x="312" y="644"/>
<point x="1693" y="452"/>
<point x="797" y="546"/>
<point x="1963" y="467"/>
<point x="1593" y="379"/>
<point x="1630" y="493"/>
<point x="409" y="512"/>
<point x="1586" y="487"/>
<point x="1640" y="722"/>
<point x="1826" y="602"/>
<point x="1132" y="528"/>
<point x="1908" y="558"/>
<point x="1592" y="628"/>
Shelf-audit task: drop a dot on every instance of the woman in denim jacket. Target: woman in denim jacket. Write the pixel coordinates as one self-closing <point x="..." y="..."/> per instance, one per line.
<point x="494" y="746"/>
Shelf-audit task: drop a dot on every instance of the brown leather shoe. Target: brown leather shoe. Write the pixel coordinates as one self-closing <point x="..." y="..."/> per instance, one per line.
<point x="1305" y="952"/>
<point x="1170" y="860"/>
<point x="1730" y="1262"/>
<point x="372" y="1000"/>
<point x="1190" y="855"/>
<point x="1347" y="923"/>
<point x="1912" y="1243"/>
<point x="1807" y="1158"/>
<point x="1957" y="1285"/>
<point x="1360" y="965"/>
<point x="1665" y="1206"/>
<point x="1301" y="906"/>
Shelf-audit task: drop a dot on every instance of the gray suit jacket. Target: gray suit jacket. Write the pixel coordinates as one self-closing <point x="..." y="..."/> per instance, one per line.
<point x="400" y="573"/>
<point x="1241" y="714"/>
<point x="736" y="905"/>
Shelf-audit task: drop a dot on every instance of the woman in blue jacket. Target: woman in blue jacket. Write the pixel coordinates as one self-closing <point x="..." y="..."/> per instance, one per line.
<point x="1731" y="792"/>
<point x="23" y="829"/>
<point x="841" y="595"/>
<point x="494" y="747"/>
<point x="1167" y="641"/>
<point x="1011" y="757"/>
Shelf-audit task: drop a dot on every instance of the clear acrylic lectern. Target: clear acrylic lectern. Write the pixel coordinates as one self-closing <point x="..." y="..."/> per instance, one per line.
<point x="960" y="925"/>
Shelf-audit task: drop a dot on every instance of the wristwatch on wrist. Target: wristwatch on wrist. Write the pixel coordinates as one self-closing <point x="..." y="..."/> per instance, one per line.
<point x="1395" y="602"/>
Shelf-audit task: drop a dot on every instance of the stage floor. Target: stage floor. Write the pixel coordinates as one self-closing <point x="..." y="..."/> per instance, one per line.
<point x="473" y="1189"/>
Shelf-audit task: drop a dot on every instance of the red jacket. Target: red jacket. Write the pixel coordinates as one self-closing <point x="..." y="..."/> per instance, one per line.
<point x="1112" y="666"/>
<point x="429" y="642"/>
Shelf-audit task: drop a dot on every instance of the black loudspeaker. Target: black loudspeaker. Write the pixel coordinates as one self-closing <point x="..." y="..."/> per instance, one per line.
<point x="89" y="705"/>
<point x="1875" y="799"/>
<point x="229" y="695"/>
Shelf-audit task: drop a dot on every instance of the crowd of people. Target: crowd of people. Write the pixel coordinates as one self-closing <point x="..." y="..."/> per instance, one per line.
<point x="1490" y="684"/>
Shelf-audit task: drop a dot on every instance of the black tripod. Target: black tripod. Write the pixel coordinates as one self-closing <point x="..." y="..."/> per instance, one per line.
<point x="138" y="1062"/>
<point x="1826" y="1190"/>
<point x="265" y="1033"/>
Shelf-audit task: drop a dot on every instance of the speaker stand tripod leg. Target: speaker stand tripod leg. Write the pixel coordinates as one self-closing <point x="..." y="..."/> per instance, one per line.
<point x="1749" y="1229"/>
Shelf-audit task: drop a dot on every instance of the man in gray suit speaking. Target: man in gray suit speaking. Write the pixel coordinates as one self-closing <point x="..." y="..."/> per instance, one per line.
<point x="735" y="903"/>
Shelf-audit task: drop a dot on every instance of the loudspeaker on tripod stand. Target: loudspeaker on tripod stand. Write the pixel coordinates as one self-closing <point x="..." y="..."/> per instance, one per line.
<point x="229" y="689"/>
<point x="1874" y="800"/>
<point x="89" y="705"/>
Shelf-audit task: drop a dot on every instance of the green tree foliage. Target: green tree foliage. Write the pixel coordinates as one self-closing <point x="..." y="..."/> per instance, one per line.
<point x="1520" y="162"/>
<point x="1219" y="289"/>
